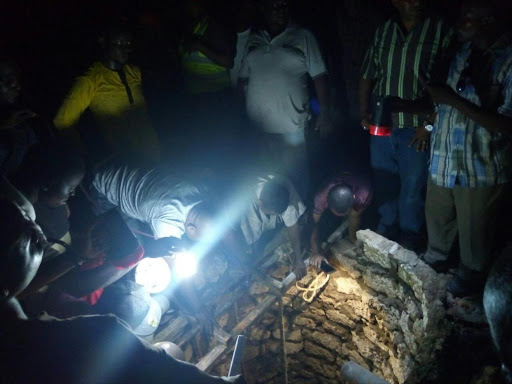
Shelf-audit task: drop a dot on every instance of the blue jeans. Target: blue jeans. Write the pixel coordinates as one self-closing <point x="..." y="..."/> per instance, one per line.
<point x="400" y="183"/>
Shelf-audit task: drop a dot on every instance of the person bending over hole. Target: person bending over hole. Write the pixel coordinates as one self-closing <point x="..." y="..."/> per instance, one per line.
<point x="172" y="207"/>
<point x="344" y="195"/>
<point x="69" y="350"/>
<point x="497" y="305"/>
<point x="274" y="202"/>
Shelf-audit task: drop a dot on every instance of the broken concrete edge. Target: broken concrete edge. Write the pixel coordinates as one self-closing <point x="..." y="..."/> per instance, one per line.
<point x="409" y="267"/>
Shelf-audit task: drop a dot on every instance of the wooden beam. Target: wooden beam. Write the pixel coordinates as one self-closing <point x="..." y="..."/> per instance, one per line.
<point x="211" y="357"/>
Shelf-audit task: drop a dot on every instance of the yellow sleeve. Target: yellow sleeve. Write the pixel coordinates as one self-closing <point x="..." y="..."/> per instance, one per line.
<point x="76" y="102"/>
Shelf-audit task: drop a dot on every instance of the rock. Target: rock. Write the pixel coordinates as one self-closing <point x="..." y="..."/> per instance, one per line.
<point x="326" y="340"/>
<point x="303" y="321"/>
<point x="377" y="248"/>
<point x="251" y="351"/>
<point x="318" y="351"/>
<point x="336" y="329"/>
<point x="291" y="348"/>
<point x="347" y="286"/>
<point x="338" y="317"/>
<point x="258" y="288"/>
<point x="223" y="320"/>
<point x="402" y="368"/>
<point x="327" y="370"/>
<point x="348" y="265"/>
<point x="259" y="334"/>
<point x="376" y="337"/>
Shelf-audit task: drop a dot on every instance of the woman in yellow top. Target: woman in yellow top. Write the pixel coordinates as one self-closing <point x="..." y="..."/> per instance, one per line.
<point x="112" y="91"/>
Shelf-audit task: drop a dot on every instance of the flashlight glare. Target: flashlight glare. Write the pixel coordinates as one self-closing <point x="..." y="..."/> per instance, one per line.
<point x="153" y="274"/>
<point x="185" y="264"/>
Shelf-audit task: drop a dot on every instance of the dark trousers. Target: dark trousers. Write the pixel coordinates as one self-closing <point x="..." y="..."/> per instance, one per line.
<point x="400" y="184"/>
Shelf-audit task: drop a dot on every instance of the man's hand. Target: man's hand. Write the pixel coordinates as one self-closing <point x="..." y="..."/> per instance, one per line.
<point x="443" y="94"/>
<point x="324" y="125"/>
<point x="161" y="247"/>
<point x="421" y="139"/>
<point x="300" y="270"/>
<point x="365" y="121"/>
<point x="316" y="260"/>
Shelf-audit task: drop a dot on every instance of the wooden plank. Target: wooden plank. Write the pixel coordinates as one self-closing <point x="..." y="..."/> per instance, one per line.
<point x="211" y="357"/>
<point x="172" y="330"/>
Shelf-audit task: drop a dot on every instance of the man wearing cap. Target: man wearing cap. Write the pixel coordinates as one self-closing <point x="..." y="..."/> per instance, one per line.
<point x="406" y="49"/>
<point x="345" y="194"/>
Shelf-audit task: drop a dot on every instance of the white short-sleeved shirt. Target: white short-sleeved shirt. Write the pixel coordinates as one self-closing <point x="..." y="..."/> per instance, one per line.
<point x="277" y="70"/>
<point x="254" y="222"/>
<point x="154" y="196"/>
<point x="241" y="51"/>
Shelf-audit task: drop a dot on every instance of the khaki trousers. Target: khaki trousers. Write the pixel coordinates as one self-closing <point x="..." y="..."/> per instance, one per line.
<point x="469" y="213"/>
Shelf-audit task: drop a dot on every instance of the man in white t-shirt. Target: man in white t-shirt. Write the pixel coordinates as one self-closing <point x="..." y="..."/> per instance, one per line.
<point x="279" y="60"/>
<point x="169" y="204"/>
<point x="275" y="201"/>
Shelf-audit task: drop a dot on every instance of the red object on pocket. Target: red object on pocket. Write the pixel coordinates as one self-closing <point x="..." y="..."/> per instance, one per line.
<point x="377" y="130"/>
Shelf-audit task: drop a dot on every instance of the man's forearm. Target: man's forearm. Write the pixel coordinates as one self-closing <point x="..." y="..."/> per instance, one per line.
<point x="354" y="223"/>
<point x="224" y="59"/>
<point x="492" y="121"/>
<point x="315" y="247"/>
<point x="365" y="87"/>
<point x="294" y="236"/>
<point x="322" y="92"/>
<point x="80" y="283"/>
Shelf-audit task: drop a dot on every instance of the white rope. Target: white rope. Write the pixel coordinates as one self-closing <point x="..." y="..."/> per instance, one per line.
<point x="309" y="293"/>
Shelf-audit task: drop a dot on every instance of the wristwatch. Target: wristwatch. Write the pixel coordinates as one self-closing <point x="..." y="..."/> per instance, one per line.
<point x="428" y="126"/>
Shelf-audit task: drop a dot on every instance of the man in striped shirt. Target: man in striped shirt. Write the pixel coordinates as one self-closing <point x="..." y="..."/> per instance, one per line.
<point x="405" y="50"/>
<point x="471" y="147"/>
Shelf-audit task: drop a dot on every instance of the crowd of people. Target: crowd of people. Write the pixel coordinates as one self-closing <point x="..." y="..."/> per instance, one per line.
<point x="238" y="170"/>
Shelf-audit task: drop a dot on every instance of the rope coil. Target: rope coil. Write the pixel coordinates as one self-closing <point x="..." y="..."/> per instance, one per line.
<point x="309" y="293"/>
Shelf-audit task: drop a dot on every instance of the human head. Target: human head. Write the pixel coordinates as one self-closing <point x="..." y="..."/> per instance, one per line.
<point x="117" y="44"/>
<point x="276" y="14"/>
<point x="22" y="244"/>
<point x="199" y="220"/>
<point x="477" y="17"/>
<point x="10" y="87"/>
<point x="410" y="10"/>
<point x="52" y="173"/>
<point x="195" y="9"/>
<point x="340" y="199"/>
<point x="497" y="305"/>
<point x="274" y="198"/>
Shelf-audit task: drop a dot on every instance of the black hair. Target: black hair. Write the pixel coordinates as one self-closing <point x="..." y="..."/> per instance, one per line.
<point x="275" y="197"/>
<point x="340" y="198"/>
<point x="115" y="27"/>
<point x="206" y="210"/>
<point x="47" y="164"/>
<point x="497" y="305"/>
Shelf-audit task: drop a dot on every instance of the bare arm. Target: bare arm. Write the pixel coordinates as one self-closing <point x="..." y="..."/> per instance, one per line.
<point x="324" y="124"/>
<point x="365" y="88"/>
<point x="294" y="236"/>
<point x="316" y="252"/>
<point x="48" y="272"/>
<point x="354" y="223"/>
<point x="492" y="121"/>
<point x="315" y="246"/>
<point x="80" y="283"/>
<point x="217" y="45"/>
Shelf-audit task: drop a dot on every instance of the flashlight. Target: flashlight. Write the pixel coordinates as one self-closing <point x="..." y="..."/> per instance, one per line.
<point x="154" y="274"/>
<point x="382" y="120"/>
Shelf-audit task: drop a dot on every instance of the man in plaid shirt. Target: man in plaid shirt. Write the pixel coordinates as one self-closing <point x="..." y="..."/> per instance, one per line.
<point x="470" y="155"/>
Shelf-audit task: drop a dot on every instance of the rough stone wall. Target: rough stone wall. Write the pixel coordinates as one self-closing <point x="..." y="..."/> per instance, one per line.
<point x="382" y="309"/>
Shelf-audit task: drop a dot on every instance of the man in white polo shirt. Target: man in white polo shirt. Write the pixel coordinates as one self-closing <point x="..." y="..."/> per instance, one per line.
<point x="275" y="73"/>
